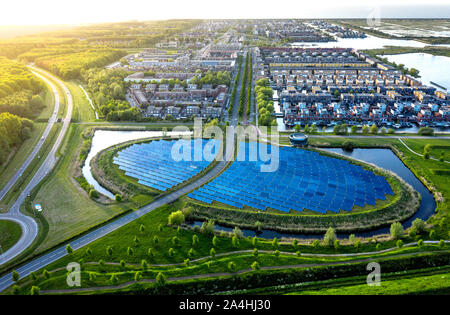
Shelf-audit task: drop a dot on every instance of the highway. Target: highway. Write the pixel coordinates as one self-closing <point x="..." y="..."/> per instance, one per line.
<point x="46" y="259"/>
<point x="28" y="224"/>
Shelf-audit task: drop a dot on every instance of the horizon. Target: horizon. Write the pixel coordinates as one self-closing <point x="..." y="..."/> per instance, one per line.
<point x="85" y="12"/>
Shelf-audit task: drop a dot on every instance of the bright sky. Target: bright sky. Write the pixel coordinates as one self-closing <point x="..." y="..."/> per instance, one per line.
<point x="33" y="12"/>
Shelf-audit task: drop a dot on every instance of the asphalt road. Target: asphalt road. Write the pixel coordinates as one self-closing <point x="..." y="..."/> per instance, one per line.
<point x="34" y="153"/>
<point x="28" y="224"/>
<point x="44" y="260"/>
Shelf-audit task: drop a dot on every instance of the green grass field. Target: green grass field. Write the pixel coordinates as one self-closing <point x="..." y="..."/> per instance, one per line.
<point x="67" y="207"/>
<point x="82" y="111"/>
<point x="412" y="285"/>
<point x="10" y="234"/>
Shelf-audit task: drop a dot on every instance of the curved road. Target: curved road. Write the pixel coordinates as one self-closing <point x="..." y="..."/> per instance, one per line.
<point x="28" y="224"/>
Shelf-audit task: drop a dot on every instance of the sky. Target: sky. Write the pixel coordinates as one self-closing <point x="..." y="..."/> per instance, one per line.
<point x="44" y="12"/>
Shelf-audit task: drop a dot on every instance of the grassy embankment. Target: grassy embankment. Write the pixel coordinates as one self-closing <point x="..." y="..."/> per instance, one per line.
<point x="132" y="242"/>
<point x="10" y="234"/>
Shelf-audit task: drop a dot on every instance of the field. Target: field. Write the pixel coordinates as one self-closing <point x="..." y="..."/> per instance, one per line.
<point x="438" y="283"/>
<point x="82" y="110"/>
<point x="68" y="209"/>
<point x="131" y="245"/>
<point x="10" y="234"/>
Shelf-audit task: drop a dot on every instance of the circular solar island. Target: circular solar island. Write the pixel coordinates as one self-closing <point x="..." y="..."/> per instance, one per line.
<point x="298" y="139"/>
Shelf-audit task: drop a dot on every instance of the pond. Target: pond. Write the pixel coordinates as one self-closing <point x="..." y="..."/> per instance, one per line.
<point x="370" y="42"/>
<point x="431" y="68"/>
<point x="384" y="158"/>
<point x="103" y="139"/>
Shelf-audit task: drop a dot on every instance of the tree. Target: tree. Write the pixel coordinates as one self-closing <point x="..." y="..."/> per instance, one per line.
<point x="365" y="129"/>
<point x="297" y="128"/>
<point x="238" y="233"/>
<point x="255" y="252"/>
<point x="175" y="241"/>
<point x="397" y="230"/>
<point x="357" y="244"/>
<point x="171" y="252"/>
<point x="294" y="243"/>
<point x="93" y="194"/>
<point x="160" y="279"/>
<point x="118" y="197"/>
<point x="195" y="240"/>
<point x="69" y="249"/>
<point x="15" y="276"/>
<point x="155" y="240"/>
<point x="420" y="243"/>
<point x="114" y="279"/>
<point x="130" y="251"/>
<point x="35" y="290"/>
<point x="212" y="252"/>
<point x="214" y="241"/>
<point x="399" y="243"/>
<point x="138" y="276"/>
<point x="176" y="218"/>
<point x="46" y="274"/>
<point x="109" y="250"/>
<point x="144" y="264"/>
<point x="353" y="129"/>
<point x="255" y="266"/>
<point x="141" y="228"/>
<point x="232" y="266"/>
<point x="276" y="253"/>
<point x="258" y="226"/>
<point x="418" y="225"/>
<point x="275" y="243"/>
<point x="330" y="237"/>
<point x="441" y="244"/>
<point x="33" y="276"/>
<point x="352" y="238"/>
<point x="235" y="241"/>
<point x="374" y="129"/>
<point x="122" y="264"/>
<point x="208" y="227"/>
<point x="347" y="145"/>
<point x="254" y="241"/>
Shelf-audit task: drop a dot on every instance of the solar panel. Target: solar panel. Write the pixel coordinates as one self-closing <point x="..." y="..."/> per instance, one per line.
<point x="303" y="180"/>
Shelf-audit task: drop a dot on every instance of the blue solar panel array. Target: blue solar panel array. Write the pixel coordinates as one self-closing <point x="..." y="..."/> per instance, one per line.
<point x="154" y="165"/>
<point x="304" y="180"/>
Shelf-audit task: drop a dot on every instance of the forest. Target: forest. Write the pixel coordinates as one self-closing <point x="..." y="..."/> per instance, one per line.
<point x="13" y="131"/>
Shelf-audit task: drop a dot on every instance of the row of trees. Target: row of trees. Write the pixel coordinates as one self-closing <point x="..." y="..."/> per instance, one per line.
<point x="264" y="94"/>
<point x="69" y="65"/>
<point x="243" y="87"/>
<point x="236" y="81"/>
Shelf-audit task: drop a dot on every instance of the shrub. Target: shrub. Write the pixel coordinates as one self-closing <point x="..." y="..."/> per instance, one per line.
<point x="176" y="218"/>
<point x="397" y="230"/>
<point x="418" y="225"/>
<point x="330" y="237"/>
<point x="93" y="194"/>
<point x="118" y="198"/>
<point x="232" y="266"/>
<point x="160" y="279"/>
<point x="347" y="145"/>
<point x="208" y="227"/>
<point x="426" y="131"/>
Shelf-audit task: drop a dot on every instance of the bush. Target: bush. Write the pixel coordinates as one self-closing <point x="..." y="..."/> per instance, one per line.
<point x="418" y="225"/>
<point x="397" y="230"/>
<point x="348" y="145"/>
<point x="426" y="131"/>
<point x="176" y="218"/>
<point x="330" y="237"/>
<point x="118" y="197"/>
<point x="93" y="194"/>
